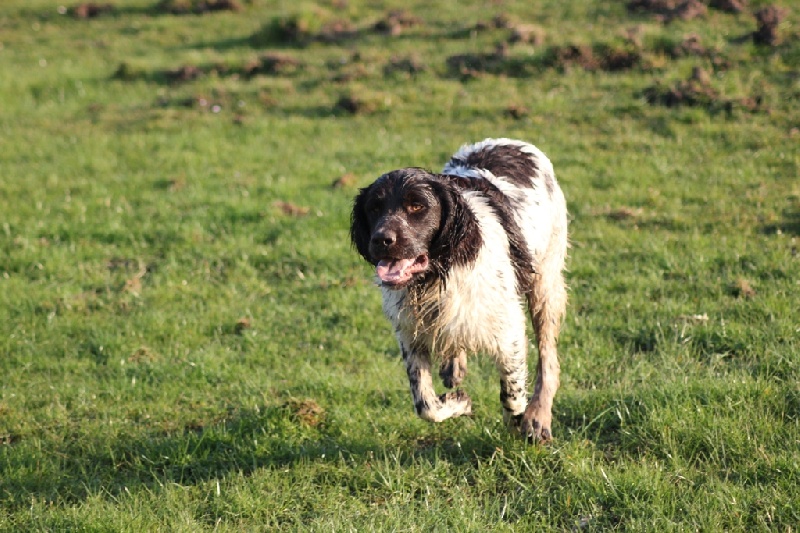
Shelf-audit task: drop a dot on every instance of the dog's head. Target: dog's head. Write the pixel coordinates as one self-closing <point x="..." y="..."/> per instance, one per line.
<point x="412" y="224"/>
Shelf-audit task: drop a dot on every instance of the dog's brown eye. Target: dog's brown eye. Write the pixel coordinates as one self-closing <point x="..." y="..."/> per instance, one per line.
<point x="415" y="208"/>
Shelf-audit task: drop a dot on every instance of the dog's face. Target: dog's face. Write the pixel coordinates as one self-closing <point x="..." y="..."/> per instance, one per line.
<point x="395" y="222"/>
<point x="413" y="225"/>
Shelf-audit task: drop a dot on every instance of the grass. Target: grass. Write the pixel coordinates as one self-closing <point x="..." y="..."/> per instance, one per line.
<point x="188" y="341"/>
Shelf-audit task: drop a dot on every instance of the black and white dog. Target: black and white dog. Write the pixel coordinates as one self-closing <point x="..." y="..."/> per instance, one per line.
<point x="458" y="256"/>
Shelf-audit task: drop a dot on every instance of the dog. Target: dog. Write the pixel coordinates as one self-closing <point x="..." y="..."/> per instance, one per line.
<point x="458" y="256"/>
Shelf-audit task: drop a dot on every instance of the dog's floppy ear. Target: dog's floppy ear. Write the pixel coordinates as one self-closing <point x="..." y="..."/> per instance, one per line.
<point x="459" y="238"/>
<point x="359" y="225"/>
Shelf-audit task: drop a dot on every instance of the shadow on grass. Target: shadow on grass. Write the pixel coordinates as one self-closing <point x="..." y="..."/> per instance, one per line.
<point x="789" y="225"/>
<point x="268" y="437"/>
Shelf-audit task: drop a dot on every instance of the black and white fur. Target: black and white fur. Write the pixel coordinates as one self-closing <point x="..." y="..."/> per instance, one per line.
<point x="459" y="255"/>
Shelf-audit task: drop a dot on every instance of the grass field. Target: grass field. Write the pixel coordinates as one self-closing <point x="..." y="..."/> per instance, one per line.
<point x="188" y="341"/>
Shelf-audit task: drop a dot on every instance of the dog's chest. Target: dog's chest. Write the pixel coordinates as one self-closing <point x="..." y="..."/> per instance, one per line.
<point x="471" y="311"/>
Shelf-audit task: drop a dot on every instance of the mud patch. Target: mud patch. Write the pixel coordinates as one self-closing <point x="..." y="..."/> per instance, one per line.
<point x="697" y="91"/>
<point x="768" y="19"/>
<point x="741" y="288"/>
<point x="272" y="64"/>
<point x="90" y="10"/>
<point x="729" y="6"/>
<point x="517" y="112"/>
<point x="669" y="10"/>
<point x="303" y="29"/>
<point x="409" y="65"/>
<point x="604" y="57"/>
<point x="396" y="22"/>
<point x="528" y="34"/>
<point x="474" y="65"/>
<point x="290" y="209"/>
<point x="195" y="7"/>
<point x="357" y="103"/>
<point x="305" y="411"/>
<point x="344" y="181"/>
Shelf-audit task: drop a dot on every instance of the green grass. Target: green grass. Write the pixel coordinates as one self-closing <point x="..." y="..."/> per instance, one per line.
<point x="177" y="353"/>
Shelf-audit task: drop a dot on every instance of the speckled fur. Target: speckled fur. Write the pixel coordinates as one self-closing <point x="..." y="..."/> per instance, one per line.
<point x="479" y="306"/>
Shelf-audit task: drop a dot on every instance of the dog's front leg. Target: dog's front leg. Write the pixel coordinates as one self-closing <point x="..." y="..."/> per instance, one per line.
<point x="513" y="368"/>
<point x="428" y="405"/>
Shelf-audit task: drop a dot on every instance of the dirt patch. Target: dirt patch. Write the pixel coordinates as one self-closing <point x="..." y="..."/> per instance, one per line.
<point x="336" y="31"/>
<point x="396" y="22"/>
<point x="527" y="33"/>
<point x="290" y="209"/>
<point x="344" y="181"/>
<point x="272" y="64"/>
<point x="517" y="112"/>
<point x="411" y="65"/>
<point x="598" y="57"/>
<point x="184" y="73"/>
<point x="500" y="22"/>
<point x="741" y="288"/>
<point x="241" y="325"/>
<point x="697" y="91"/>
<point x="306" y="411"/>
<point x="729" y="6"/>
<point x="356" y="103"/>
<point x="669" y="10"/>
<point x="768" y="19"/>
<point x="474" y="65"/>
<point x="195" y="7"/>
<point x="90" y="10"/>
<point x="303" y="29"/>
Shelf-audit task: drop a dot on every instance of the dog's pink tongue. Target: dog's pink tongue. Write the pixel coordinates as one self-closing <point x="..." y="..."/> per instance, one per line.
<point x="393" y="271"/>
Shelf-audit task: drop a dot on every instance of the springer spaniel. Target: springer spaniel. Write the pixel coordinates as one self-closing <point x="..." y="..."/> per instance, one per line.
<point x="458" y="255"/>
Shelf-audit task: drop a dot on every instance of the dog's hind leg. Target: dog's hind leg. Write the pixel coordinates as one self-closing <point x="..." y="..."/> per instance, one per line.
<point x="547" y="305"/>
<point x="428" y="405"/>
<point x="454" y="369"/>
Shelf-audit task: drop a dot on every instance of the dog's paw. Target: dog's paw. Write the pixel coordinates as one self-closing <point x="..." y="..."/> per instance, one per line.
<point x="457" y="403"/>
<point x="534" y="431"/>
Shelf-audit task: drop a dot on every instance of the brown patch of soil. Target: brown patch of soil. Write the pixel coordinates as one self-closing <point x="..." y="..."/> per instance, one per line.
<point x="408" y="65"/>
<point x="500" y="22"/>
<point x="691" y="45"/>
<point x="741" y="288"/>
<point x="517" y="112"/>
<point x="307" y="411"/>
<point x="290" y="209"/>
<point x="527" y="33"/>
<point x="729" y="6"/>
<point x="90" y="10"/>
<point x="241" y="325"/>
<point x="196" y="7"/>
<point x="624" y="213"/>
<point x="669" y="10"/>
<point x="396" y="22"/>
<point x="598" y="57"/>
<point x="768" y="19"/>
<point x="695" y="91"/>
<point x="343" y="181"/>
<point x="473" y="65"/>
<point x="271" y="64"/>
<point x="184" y="73"/>
<point x="336" y="32"/>
<point x="354" y="104"/>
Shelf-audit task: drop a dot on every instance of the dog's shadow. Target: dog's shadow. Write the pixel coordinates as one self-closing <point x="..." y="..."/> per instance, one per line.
<point x="247" y="441"/>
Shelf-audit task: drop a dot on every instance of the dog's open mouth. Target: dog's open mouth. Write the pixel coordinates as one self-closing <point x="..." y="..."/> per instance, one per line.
<point x="400" y="271"/>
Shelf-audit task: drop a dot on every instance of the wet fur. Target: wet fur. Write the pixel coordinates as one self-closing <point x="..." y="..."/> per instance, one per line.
<point x="494" y="228"/>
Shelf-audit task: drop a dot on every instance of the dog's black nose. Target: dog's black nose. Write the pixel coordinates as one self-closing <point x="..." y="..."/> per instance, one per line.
<point x="384" y="238"/>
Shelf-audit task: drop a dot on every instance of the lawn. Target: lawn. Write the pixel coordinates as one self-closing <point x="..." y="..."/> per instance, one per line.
<point x="189" y="342"/>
